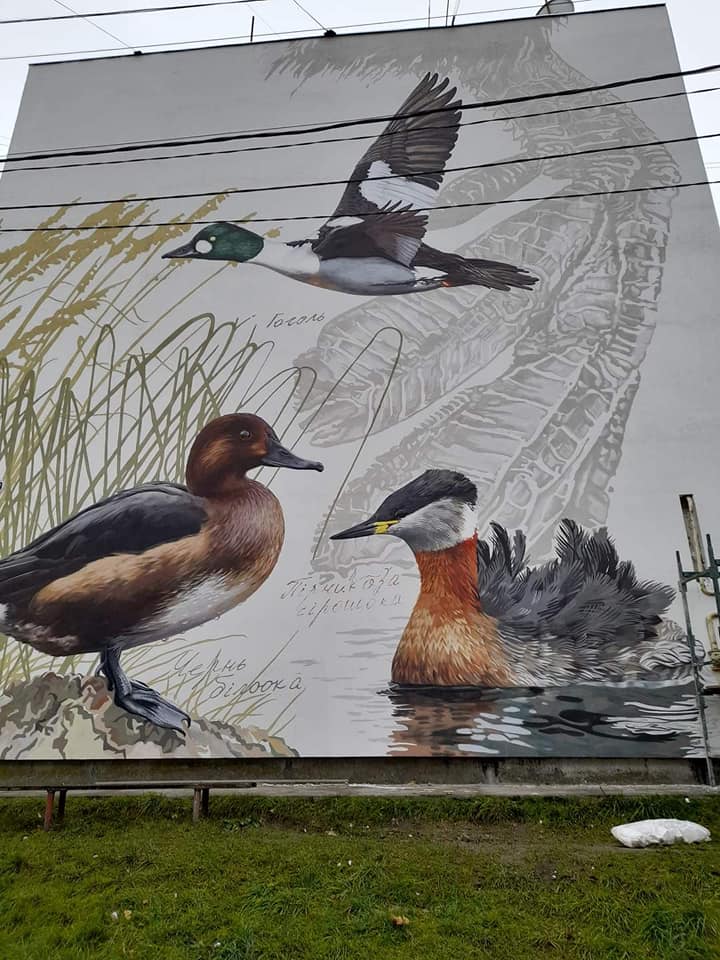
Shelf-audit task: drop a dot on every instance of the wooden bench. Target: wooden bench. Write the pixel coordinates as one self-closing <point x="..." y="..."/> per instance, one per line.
<point x="201" y="792"/>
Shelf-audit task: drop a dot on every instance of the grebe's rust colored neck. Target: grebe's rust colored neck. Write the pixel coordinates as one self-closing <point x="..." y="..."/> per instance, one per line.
<point x="448" y="640"/>
<point x="451" y="573"/>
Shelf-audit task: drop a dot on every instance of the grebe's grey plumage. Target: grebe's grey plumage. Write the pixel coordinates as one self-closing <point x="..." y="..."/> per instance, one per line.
<point x="585" y="613"/>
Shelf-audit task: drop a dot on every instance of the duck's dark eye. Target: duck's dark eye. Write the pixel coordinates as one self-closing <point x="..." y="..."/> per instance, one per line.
<point x="244" y="434"/>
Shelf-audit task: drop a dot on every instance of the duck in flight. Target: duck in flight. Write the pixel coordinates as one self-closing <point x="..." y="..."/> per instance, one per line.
<point x="484" y="618"/>
<point x="151" y="562"/>
<point x="373" y="242"/>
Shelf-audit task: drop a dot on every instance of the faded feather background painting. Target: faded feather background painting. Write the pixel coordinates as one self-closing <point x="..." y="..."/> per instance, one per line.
<point x="587" y="396"/>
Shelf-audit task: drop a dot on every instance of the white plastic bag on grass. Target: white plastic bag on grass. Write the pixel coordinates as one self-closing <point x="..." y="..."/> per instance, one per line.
<point x="646" y="833"/>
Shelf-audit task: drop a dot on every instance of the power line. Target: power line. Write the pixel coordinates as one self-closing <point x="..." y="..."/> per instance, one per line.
<point x="225" y="3"/>
<point x="526" y="6"/>
<point x="95" y="26"/>
<point x="301" y="128"/>
<point x="309" y="143"/>
<point x="339" y="183"/>
<point x="126" y="13"/>
<point x="310" y="15"/>
<point x="228" y="40"/>
<point x="379" y="213"/>
<point x="361" y="121"/>
<point x="278" y="34"/>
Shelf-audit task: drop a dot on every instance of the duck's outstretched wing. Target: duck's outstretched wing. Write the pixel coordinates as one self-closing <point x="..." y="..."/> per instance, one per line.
<point x="127" y="523"/>
<point x="396" y="235"/>
<point x="586" y="592"/>
<point x="400" y="172"/>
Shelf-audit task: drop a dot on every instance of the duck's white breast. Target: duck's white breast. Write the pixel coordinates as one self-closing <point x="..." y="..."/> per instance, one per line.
<point x="292" y="261"/>
<point x="192" y="607"/>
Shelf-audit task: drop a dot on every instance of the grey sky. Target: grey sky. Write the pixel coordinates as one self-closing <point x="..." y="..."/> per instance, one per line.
<point x="696" y="24"/>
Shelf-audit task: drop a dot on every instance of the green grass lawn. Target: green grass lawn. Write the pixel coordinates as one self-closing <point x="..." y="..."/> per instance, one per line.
<point x="261" y="879"/>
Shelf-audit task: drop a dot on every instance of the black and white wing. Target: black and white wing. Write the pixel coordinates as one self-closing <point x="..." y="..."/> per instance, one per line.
<point x="399" y="175"/>
<point x="396" y="235"/>
<point x="129" y="522"/>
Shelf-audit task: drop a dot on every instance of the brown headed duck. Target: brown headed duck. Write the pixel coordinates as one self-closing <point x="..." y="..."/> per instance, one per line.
<point x="148" y="563"/>
<point x="484" y="618"/>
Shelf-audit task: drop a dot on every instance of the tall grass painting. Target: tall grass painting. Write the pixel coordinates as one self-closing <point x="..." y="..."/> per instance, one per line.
<point x="82" y="417"/>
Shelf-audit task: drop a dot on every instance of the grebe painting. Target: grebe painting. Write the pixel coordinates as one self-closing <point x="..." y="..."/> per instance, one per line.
<point x="485" y="618"/>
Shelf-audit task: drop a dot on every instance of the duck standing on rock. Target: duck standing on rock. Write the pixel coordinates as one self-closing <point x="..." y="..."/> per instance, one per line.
<point x="484" y="618"/>
<point x="148" y="563"/>
<point x="373" y="242"/>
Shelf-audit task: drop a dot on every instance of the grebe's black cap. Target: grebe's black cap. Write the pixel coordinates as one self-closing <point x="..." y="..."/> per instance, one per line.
<point x="429" y="487"/>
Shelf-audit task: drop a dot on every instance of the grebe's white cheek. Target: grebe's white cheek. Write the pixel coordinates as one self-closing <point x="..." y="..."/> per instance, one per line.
<point x="203" y="246"/>
<point x="438" y="526"/>
<point x="468" y="526"/>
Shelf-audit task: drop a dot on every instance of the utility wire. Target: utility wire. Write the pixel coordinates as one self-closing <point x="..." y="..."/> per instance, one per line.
<point x="308" y="14"/>
<point x="167" y="47"/>
<point x="113" y="36"/>
<point x="126" y="13"/>
<point x="378" y="213"/>
<point x="370" y="136"/>
<point x="339" y="183"/>
<point x="225" y="3"/>
<point x="361" y="121"/>
<point x="278" y="34"/>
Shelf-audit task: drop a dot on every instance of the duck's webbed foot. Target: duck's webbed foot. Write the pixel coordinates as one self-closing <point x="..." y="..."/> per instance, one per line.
<point x="139" y="699"/>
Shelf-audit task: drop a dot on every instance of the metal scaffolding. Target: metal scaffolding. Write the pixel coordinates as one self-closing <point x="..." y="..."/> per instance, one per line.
<point x="706" y="573"/>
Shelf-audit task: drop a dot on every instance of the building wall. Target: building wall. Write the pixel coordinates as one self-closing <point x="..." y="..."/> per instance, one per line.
<point x="588" y="396"/>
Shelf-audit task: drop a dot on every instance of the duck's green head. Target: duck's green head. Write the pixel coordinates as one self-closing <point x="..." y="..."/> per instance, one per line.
<point x="220" y="241"/>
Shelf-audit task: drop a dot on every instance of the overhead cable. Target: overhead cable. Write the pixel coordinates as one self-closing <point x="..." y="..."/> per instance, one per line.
<point x="366" y="136"/>
<point x="95" y="26"/>
<point x="310" y="15"/>
<point x="126" y="13"/>
<point x="378" y="213"/>
<point x="218" y="3"/>
<point x="341" y="124"/>
<point x="233" y="39"/>
<point x="384" y="177"/>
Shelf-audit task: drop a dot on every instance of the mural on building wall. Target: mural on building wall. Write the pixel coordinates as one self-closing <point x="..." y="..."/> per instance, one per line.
<point x="463" y="335"/>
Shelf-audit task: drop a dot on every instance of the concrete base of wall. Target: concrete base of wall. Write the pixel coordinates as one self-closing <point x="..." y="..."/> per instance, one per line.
<point x="406" y="774"/>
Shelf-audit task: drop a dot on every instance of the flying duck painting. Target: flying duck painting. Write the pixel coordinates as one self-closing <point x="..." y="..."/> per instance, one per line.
<point x="484" y="618"/>
<point x="373" y="242"/>
<point x="148" y="563"/>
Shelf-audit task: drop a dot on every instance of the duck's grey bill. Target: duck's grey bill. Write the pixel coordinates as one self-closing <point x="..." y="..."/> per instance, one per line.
<point x="280" y="456"/>
<point x="187" y="250"/>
